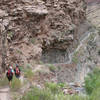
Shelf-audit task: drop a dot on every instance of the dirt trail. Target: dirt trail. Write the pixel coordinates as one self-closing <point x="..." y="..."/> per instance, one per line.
<point x="4" y="93"/>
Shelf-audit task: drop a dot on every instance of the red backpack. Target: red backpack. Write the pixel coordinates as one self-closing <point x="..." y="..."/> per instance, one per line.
<point x="9" y="72"/>
<point x="17" y="71"/>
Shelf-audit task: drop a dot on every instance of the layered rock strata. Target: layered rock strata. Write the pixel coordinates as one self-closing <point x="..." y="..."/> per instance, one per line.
<point x="38" y="25"/>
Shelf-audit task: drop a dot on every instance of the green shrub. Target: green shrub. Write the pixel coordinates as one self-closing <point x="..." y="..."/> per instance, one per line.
<point x="41" y="63"/>
<point x="28" y="65"/>
<point x="62" y="85"/>
<point x="28" y="74"/>
<point x="91" y="37"/>
<point x="52" y="68"/>
<point x="22" y="68"/>
<point x="4" y="81"/>
<point x="75" y="58"/>
<point x="54" y="88"/>
<point x="95" y="94"/>
<point x="53" y="91"/>
<point x="19" y="51"/>
<point x="32" y="40"/>
<point x="77" y="97"/>
<point x="38" y="94"/>
<point x="15" y="96"/>
<point x="92" y="81"/>
<point x="61" y="96"/>
<point x="10" y="34"/>
<point x="16" y="84"/>
<point x="47" y="94"/>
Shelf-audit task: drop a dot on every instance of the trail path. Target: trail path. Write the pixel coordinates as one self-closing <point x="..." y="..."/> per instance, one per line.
<point x="4" y="93"/>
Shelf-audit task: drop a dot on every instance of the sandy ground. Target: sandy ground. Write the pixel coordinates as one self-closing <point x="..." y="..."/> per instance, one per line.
<point x="4" y="93"/>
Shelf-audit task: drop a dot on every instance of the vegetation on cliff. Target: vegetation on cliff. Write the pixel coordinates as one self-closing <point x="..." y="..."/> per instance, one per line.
<point x="53" y="91"/>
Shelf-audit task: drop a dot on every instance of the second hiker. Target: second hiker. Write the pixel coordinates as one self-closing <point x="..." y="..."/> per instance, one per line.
<point x="17" y="71"/>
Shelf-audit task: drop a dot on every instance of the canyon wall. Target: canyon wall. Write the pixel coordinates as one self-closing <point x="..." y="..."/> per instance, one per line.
<point x="36" y="28"/>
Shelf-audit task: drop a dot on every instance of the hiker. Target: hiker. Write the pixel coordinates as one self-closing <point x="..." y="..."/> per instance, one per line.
<point x="9" y="74"/>
<point x="17" y="71"/>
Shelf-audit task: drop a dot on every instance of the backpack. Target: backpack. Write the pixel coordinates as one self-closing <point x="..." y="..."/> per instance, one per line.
<point x="17" y="71"/>
<point x="9" y="73"/>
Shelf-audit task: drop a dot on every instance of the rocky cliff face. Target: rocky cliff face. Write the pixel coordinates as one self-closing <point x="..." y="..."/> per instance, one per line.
<point x="40" y="25"/>
<point x="64" y="19"/>
<point x="93" y="14"/>
<point x="87" y="55"/>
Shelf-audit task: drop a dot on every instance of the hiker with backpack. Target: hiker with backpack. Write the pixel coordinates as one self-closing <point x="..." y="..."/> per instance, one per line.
<point x="9" y="74"/>
<point x="17" y="71"/>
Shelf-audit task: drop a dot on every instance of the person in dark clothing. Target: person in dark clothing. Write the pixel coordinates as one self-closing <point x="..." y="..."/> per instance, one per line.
<point x="9" y="74"/>
<point x="17" y="71"/>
